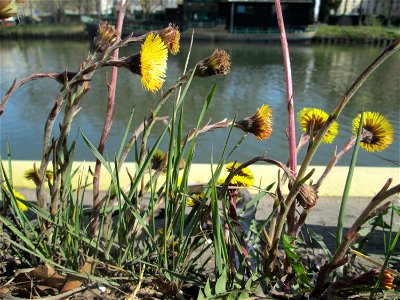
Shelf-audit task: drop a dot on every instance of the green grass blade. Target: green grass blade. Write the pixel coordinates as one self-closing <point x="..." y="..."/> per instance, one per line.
<point x="125" y="136"/>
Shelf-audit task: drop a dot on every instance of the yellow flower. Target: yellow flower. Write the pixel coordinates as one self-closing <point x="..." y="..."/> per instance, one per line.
<point x="243" y="172"/>
<point x="195" y="199"/>
<point x="153" y="62"/>
<point x="9" y="8"/>
<point x="237" y="180"/>
<point x="171" y="36"/>
<point x="260" y="124"/>
<point x="31" y="174"/>
<point x="377" y="132"/>
<point x="18" y="196"/>
<point x="244" y="178"/>
<point x="315" y="118"/>
<point x="217" y="64"/>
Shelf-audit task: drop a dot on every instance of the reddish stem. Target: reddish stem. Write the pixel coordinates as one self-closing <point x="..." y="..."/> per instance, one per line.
<point x="289" y="89"/>
<point x="17" y="84"/>
<point x="290" y="108"/>
<point x="97" y="204"/>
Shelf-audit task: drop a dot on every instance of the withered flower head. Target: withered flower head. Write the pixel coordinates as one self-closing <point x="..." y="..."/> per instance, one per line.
<point x="260" y="124"/>
<point x="10" y="8"/>
<point x="107" y="35"/>
<point x="307" y="196"/>
<point x="216" y="64"/>
<point x="171" y="36"/>
<point x="314" y="118"/>
<point x="377" y="132"/>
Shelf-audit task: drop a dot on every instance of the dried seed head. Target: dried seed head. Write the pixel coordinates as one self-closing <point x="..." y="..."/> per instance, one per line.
<point x="307" y="196"/>
<point x="216" y="64"/>
<point x="171" y="36"/>
<point x="106" y="36"/>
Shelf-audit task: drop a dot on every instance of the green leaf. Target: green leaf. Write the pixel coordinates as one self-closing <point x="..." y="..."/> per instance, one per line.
<point x="233" y="295"/>
<point x="220" y="286"/>
<point x="99" y="157"/>
<point x="207" y="289"/>
<point x="364" y="231"/>
<point x="254" y="200"/>
<point x="201" y="296"/>
<point x="243" y="296"/>
<point x="248" y="284"/>
<point x="127" y="128"/>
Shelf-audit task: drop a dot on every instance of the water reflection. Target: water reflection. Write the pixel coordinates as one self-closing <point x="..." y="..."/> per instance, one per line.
<point x="321" y="75"/>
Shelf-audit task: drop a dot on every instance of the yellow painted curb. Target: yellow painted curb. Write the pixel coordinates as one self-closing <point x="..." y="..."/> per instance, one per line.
<point x="367" y="181"/>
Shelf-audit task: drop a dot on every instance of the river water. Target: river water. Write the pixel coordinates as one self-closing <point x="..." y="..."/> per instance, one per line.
<point x="321" y="75"/>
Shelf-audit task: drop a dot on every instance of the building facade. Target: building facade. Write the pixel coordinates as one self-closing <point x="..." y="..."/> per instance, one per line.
<point x="369" y="8"/>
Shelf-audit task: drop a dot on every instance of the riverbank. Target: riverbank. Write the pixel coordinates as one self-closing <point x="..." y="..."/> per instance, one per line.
<point x="375" y="35"/>
<point x="368" y="35"/>
<point x="45" y="31"/>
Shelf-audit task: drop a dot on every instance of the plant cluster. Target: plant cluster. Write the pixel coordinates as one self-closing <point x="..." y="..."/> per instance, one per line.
<point x="160" y="236"/>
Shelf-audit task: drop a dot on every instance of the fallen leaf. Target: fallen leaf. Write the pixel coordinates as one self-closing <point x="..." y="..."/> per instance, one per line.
<point x="74" y="281"/>
<point x="46" y="275"/>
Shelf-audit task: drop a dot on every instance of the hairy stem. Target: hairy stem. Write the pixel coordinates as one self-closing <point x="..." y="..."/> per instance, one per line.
<point x="106" y="128"/>
<point x="290" y="107"/>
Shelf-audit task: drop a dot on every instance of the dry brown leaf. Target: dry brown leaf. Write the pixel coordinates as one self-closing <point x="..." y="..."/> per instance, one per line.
<point x="75" y="282"/>
<point x="46" y="275"/>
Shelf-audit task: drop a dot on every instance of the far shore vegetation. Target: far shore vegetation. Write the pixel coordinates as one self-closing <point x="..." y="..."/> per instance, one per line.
<point x="322" y="31"/>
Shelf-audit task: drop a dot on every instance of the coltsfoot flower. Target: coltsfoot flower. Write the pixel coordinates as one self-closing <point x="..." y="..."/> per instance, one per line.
<point x="244" y="178"/>
<point x="18" y="196"/>
<point x="157" y="159"/>
<point x="171" y="36"/>
<point x="377" y="132"/>
<point x="217" y="64"/>
<point x="260" y="124"/>
<point x="195" y="199"/>
<point x="151" y="63"/>
<point x="314" y="118"/>
<point x="10" y="8"/>
<point x="32" y="175"/>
